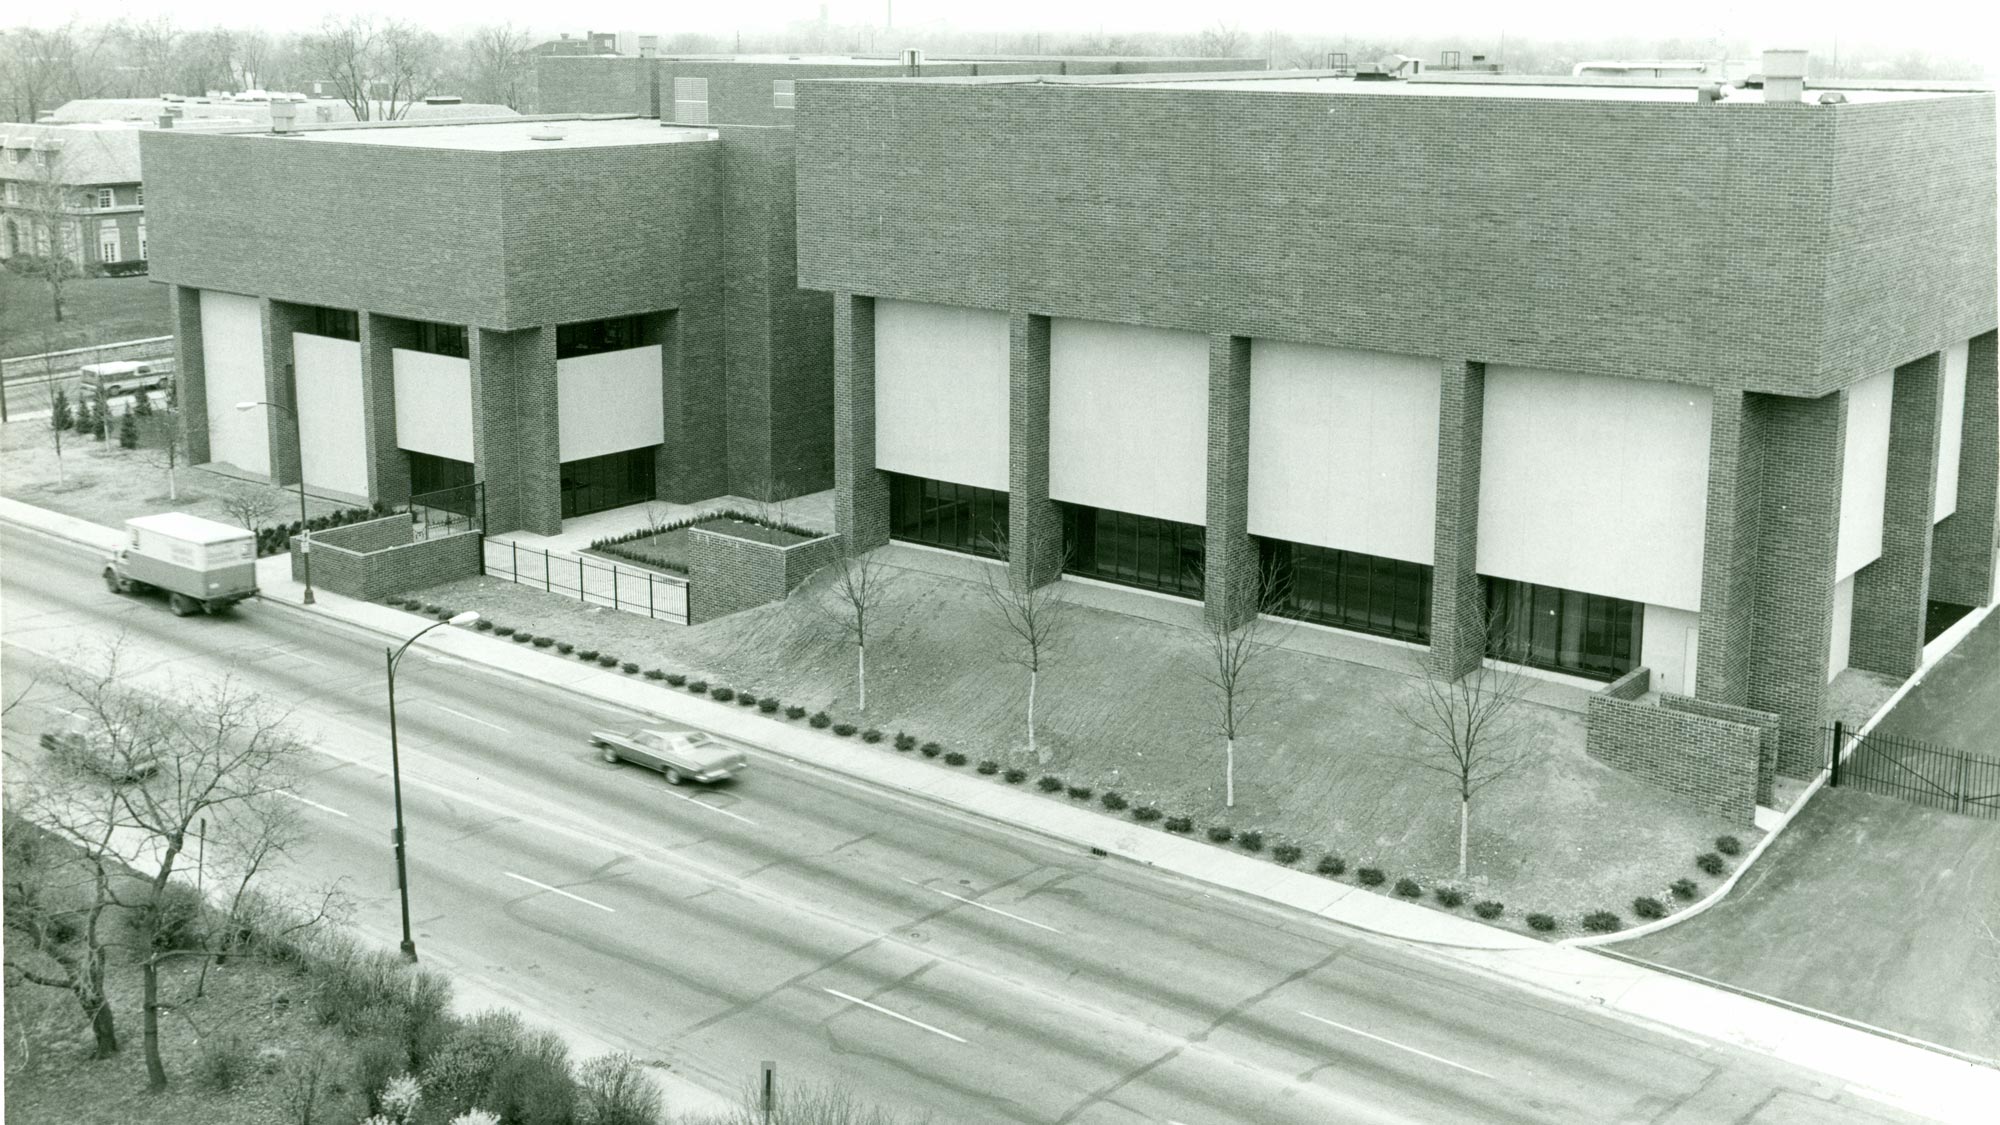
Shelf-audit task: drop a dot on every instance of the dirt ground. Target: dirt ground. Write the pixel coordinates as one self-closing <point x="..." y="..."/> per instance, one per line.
<point x="1324" y="763"/>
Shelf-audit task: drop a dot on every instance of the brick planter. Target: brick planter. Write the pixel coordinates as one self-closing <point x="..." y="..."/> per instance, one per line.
<point x="728" y="573"/>
<point x="375" y="558"/>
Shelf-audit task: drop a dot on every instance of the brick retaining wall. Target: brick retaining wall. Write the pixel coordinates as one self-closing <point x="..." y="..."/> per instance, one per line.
<point x="375" y="558"/>
<point x="1688" y="748"/>
<point x="727" y="574"/>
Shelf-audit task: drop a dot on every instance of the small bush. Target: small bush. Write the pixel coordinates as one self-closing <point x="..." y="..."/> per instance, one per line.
<point x="699" y="687"/>
<point x="1684" y="888"/>
<point x="821" y="720"/>
<point x="768" y="705"/>
<point x="677" y="679"/>
<point x="954" y="758"/>
<point x="1370" y="876"/>
<point x="1450" y="896"/>
<point x="989" y="767"/>
<point x="844" y="730"/>
<point x="587" y="654"/>
<point x="1711" y="864"/>
<point x="1729" y="845"/>
<point x="930" y="749"/>
<point x="1488" y="909"/>
<point x="483" y="625"/>
<point x="630" y="667"/>
<point x="1014" y="777"/>
<point x="1251" y="841"/>
<point x="1330" y="865"/>
<point x="871" y="735"/>
<point x="1287" y="854"/>
<point x="1080" y="792"/>
<point x="722" y="694"/>
<point x="1115" y="802"/>
<point x="1221" y="833"/>
<point x="444" y="615"/>
<point x="1601" y="922"/>
<point x="905" y="742"/>
<point x="656" y="674"/>
<point x="1178" y="824"/>
<point x="1407" y="887"/>
<point x="1646" y="906"/>
<point x="224" y="1062"/>
<point x="503" y="630"/>
<point x="795" y="712"/>
<point x="1541" y="923"/>
<point x="746" y="699"/>
<point x="565" y="647"/>
<point x="523" y="638"/>
<point x="434" y="609"/>
<point x="544" y="642"/>
<point x="1049" y="784"/>
<point x="608" y="660"/>
<point x="1146" y="814"/>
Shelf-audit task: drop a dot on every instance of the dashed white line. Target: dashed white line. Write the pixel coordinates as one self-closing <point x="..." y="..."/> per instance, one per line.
<point x="560" y="891"/>
<point x="1393" y="1043"/>
<point x="711" y="808"/>
<point x="891" y="1015"/>
<point x="983" y="906"/>
<point x="313" y="803"/>
<point x="307" y="659"/>
<point x="463" y="715"/>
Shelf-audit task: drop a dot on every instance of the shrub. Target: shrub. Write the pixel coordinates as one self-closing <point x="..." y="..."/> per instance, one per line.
<point x="503" y="630"/>
<point x="608" y="660"/>
<point x="1684" y="888"/>
<point x="1146" y="814"/>
<point x="587" y="654"/>
<point x="1014" y="776"/>
<point x="767" y="705"/>
<point x="746" y="699"/>
<point x="1330" y="865"/>
<point x="1115" y="802"/>
<point x="170" y="918"/>
<point x="630" y="667"/>
<point x="1287" y="854"/>
<point x="1080" y="792"/>
<point x="954" y="758"/>
<point x="795" y="712"/>
<point x="905" y="741"/>
<point x="1488" y="909"/>
<point x="821" y="720"/>
<point x="1220" y="833"/>
<point x="615" y="1090"/>
<point x="1541" y="923"/>
<point x="1178" y="824"/>
<point x="544" y="642"/>
<point x="722" y="694"/>
<point x="483" y="625"/>
<point x="1729" y="845"/>
<point x="844" y="730"/>
<point x="699" y="687"/>
<point x="523" y="638"/>
<point x="1407" y="887"/>
<point x="1251" y="841"/>
<point x="656" y="674"/>
<point x="434" y="609"/>
<point x="1450" y="896"/>
<point x="930" y="749"/>
<point x="466" y="1062"/>
<point x="1711" y="864"/>
<point x="989" y="767"/>
<point x="1370" y="876"/>
<point x="224" y="1061"/>
<point x="1646" y="906"/>
<point x="444" y="615"/>
<point x="565" y="647"/>
<point x="871" y="735"/>
<point x="1049" y="784"/>
<point x="1601" y="922"/>
<point x="677" y="679"/>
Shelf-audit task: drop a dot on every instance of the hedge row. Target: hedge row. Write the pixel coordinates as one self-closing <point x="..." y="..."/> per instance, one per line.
<point x="277" y="540"/>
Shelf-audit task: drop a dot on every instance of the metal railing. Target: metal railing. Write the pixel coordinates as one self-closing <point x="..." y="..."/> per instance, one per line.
<point x="450" y="510"/>
<point x="1919" y="772"/>
<point x="662" y="597"/>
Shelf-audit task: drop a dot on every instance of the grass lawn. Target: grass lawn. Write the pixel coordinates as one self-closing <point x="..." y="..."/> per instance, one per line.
<point x="97" y="310"/>
<point x="1125" y="709"/>
<point x="666" y="550"/>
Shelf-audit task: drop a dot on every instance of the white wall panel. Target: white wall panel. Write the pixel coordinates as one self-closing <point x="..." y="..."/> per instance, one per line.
<point x="1843" y="627"/>
<point x="610" y="402"/>
<point x="1864" y="476"/>
<point x="1595" y="484"/>
<point x="433" y="404"/>
<point x="1951" y="430"/>
<point x="232" y="360"/>
<point x="333" y="450"/>
<point x="941" y="392"/>
<point x="1667" y="647"/>
<point x="1343" y="448"/>
<point x="1128" y="419"/>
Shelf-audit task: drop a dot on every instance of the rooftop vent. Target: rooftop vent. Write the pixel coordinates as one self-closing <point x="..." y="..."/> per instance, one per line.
<point x="281" y="116"/>
<point x="444" y="99"/>
<point x="649" y="46"/>
<point x="913" y="59"/>
<point x="548" y="132"/>
<point x="1833" y="97"/>
<point x="166" y="121"/>
<point x="1784" y="76"/>
<point x="1708" y="94"/>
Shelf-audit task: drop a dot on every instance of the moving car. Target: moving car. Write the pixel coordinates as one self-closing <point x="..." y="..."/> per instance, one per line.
<point x="690" y="755"/>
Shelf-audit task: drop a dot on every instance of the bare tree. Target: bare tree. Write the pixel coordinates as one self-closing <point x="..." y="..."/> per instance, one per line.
<point x="380" y="69"/>
<point x="60" y="419"/>
<point x="51" y="206"/>
<point x="41" y="68"/>
<point x="1033" y="624"/>
<point x="248" y="505"/>
<point x="1468" y="729"/>
<point x="501" y="65"/>
<point x="851" y="594"/>
<point x="1233" y="664"/>
<point x="168" y="442"/>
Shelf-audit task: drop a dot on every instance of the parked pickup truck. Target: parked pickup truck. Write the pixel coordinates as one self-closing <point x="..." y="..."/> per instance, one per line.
<point x="202" y="565"/>
<point x="677" y="755"/>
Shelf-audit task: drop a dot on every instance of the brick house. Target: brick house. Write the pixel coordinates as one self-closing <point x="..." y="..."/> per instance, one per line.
<point x="73" y="190"/>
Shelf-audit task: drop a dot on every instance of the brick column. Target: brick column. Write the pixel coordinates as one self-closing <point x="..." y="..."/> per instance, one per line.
<point x="388" y="469"/>
<point x="1798" y="534"/>
<point x="514" y="428"/>
<point x="280" y="386"/>
<point x="1890" y="593"/>
<point x="1458" y="606"/>
<point x="190" y="370"/>
<point x="1034" y="522"/>
<point x="861" y="496"/>
<point x="1230" y="594"/>
<point x="1729" y="551"/>
<point x="1962" y="544"/>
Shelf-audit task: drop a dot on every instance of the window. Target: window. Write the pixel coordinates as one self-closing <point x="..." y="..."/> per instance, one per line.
<point x="956" y="517"/>
<point x="105" y="197"/>
<point x="1562" y="630"/>
<point x="1347" y="589"/>
<point x="1152" y="554"/>
<point x="139" y="194"/>
<point x="13" y="192"/>
<point x="430" y="474"/>
<point x="108" y="249"/>
<point x="341" y="324"/>
<point x="691" y="101"/>
<point x="783" y="92"/>
<point x="142" y="240"/>
<point x="614" y="480"/>
<point x="41" y="239"/>
<point x="441" y="339"/>
<point x="592" y="336"/>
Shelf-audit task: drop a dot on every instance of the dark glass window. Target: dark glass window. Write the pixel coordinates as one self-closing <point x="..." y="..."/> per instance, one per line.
<point x="1152" y="554"/>
<point x="957" y="517"/>
<point x="1347" y="589"/>
<point x="441" y="339"/>
<point x="429" y="473"/>
<point x="614" y="480"/>
<point x="341" y="324"/>
<point x="592" y="336"/>
<point x="1562" y="630"/>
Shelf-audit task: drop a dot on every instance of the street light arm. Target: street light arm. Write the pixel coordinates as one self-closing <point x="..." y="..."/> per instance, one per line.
<point x="465" y="618"/>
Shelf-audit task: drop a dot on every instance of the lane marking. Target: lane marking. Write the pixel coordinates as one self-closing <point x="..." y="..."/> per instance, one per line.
<point x="983" y="906"/>
<point x="463" y="715"/>
<point x="890" y="1014"/>
<point x="313" y="803"/>
<point x="307" y="659"/>
<point x="1398" y="1046"/>
<point x="560" y="891"/>
<point x="711" y="808"/>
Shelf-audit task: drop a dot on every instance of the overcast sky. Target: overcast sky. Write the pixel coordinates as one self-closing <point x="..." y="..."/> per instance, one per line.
<point x="1955" y="28"/>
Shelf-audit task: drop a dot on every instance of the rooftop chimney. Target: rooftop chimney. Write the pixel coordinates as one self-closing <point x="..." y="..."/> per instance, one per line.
<point x="281" y="117"/>
<point x="166" y="121"/>
<point x="1784" y="76"/>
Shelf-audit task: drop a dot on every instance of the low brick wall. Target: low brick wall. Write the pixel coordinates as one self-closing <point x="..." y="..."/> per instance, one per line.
<point x="1714" y="762"/>
<point x="375" y="558"/>
<point x="1765" y="721"/>
<point x="727" y="574"/>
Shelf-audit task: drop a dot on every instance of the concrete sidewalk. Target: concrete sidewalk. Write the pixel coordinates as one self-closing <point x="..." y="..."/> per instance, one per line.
<point x="1900" y="1074"/>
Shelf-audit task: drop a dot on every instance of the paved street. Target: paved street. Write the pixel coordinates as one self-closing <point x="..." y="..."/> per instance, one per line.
<point x="925" y="958"/>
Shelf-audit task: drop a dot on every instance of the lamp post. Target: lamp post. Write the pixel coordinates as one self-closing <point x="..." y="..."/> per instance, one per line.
<point x="396" y="777"/>
<point x="305" y="536"/>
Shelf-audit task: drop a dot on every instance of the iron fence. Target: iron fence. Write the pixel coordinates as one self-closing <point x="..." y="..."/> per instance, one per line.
<point x="1925" y="774"/>
<point x="448" y="510"/>
<point x="662" y="597"/>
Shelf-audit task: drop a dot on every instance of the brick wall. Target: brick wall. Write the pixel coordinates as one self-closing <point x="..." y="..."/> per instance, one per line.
<point x="1458" y="604"/>
<point x="1034" y="522"/>
<point x="190" y="370"/>
<point x="861" y="500"/>
<point x="1729" y="556"/>
<point x="375" y="558"/>
<point x="1230" y="595"/>
<point x="1768" y="726"/>
<point x="1891" y="593"/>
<point x="727" y="574"/>
<point x="1962" y="544"/>
<point x="388" y="468"/>
<point x="1711" y="762"/>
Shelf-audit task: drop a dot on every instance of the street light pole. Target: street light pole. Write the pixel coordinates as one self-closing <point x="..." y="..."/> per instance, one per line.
<point x="305" y="535"/>
<point x="409" y="946"/>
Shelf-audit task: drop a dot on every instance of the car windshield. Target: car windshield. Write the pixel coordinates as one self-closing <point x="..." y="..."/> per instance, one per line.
<point x="697" y="738"/>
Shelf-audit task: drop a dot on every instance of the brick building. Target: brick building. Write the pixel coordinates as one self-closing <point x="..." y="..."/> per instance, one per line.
<point x="1654" y="379"/>
<point x="73" y="191"/>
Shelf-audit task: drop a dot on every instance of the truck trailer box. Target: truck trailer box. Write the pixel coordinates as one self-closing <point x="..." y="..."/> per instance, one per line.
<point x="184" y="554"/>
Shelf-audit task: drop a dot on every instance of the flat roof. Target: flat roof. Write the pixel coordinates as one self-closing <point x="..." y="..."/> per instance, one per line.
<point x="187" y="528"/>
<point x="1463" y="88"/>
<point x="515" y="134"/>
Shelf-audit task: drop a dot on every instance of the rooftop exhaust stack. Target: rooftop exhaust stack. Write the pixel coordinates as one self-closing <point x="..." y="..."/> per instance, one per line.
<point x="281" y="117"/>
<point x="1784" y="77"/>
<point x="913" y="60"/>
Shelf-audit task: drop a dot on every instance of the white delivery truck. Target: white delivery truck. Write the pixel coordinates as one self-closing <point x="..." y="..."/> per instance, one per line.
<point x="200" y="564"/>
